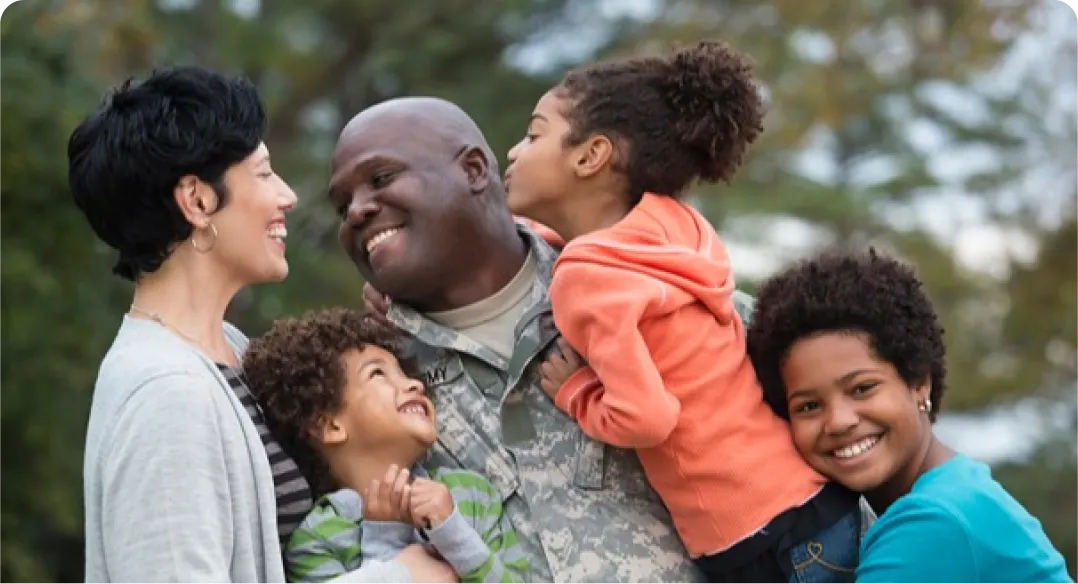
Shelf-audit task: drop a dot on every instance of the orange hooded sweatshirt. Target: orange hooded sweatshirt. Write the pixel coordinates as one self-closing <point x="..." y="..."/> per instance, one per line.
<point x="647" y="302"/>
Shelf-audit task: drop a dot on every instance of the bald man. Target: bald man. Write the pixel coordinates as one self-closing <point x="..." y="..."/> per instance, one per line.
<point x="424" y="219"/>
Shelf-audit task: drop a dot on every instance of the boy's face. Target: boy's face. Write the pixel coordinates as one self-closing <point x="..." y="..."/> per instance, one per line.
<point x="382" y="407"/>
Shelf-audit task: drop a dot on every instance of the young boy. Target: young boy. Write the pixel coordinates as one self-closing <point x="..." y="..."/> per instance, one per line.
<point x="335" y="394"/>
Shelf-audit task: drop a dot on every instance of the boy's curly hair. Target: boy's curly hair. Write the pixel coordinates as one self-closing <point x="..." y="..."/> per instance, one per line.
<point x="296" y="373"/>
<point x="673" y="119"/>
<point x="848" y="292"/>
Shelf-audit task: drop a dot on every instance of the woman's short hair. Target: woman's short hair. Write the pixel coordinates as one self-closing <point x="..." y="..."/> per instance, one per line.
<point x="848" y="292"/>
<point x="125" y="158"/>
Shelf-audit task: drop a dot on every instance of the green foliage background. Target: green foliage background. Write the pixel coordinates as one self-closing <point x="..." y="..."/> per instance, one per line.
<point x="847" y="80"/>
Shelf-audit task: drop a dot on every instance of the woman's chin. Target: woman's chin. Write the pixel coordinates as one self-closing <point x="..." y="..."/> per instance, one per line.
<point x="858" y="479"/>
<point x="275" y="273"/>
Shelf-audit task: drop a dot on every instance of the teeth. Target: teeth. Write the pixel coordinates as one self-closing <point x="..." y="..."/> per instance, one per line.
<point x="857" y="447"/>
<point x="277" y="231"/>
<point x="379" y="238"/>
<point x="414" y="409"/>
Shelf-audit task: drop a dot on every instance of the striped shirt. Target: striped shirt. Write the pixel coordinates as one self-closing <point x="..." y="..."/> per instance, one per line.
<point x="293" y="493"/>
<point x="477" y="539"/>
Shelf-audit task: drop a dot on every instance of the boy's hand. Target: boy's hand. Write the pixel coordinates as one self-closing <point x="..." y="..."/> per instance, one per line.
<point x="390" y="498"/>
<point x="431" y="503"/>
<point x="558" y="367"/>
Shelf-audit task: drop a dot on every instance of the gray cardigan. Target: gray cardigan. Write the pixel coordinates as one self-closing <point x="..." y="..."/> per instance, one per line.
<point x="177" y="484"/>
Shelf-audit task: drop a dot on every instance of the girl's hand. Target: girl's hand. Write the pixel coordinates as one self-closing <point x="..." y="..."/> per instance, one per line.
<point x="558" y="367"/>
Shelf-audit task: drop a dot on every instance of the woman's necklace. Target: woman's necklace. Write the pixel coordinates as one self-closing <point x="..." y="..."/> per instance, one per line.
<point x="135" y="310"/>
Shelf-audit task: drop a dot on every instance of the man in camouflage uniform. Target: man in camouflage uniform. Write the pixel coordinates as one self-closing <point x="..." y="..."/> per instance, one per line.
<point x="419" y="170"/>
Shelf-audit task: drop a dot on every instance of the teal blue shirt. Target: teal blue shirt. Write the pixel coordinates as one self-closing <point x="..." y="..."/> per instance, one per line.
<point x="958" y="524"/>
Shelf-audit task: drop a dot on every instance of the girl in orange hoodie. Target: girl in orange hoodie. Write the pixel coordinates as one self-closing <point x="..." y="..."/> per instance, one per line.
<point x="643" y="291"/>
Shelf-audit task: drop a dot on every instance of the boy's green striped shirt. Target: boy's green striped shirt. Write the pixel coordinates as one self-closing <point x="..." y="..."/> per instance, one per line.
<point x="478" y="540"/>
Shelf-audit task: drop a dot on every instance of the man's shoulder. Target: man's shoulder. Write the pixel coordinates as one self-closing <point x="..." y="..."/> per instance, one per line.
<point x="425" y="341"/>
<point x="431" y="364"/>
<point x="544" y="253"/>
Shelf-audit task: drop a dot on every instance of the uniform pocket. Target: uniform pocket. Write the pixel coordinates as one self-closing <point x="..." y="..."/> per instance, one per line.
<point x="457" y="437"/>
<point x="590" y="463"/>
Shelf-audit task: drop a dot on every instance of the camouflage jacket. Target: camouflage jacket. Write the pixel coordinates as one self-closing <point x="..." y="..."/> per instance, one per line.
<point x="583" y="511"/>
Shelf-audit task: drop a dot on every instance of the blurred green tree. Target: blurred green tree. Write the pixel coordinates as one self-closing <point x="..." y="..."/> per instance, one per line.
<point x="58" y="307"/>
<point x="859" y="146"/>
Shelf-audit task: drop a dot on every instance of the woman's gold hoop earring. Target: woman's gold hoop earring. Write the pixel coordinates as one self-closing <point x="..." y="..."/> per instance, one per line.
<point x="213" y="242"/>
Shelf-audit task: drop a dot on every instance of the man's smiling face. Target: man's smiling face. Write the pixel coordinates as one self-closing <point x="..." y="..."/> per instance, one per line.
<point x="404" y="201"/>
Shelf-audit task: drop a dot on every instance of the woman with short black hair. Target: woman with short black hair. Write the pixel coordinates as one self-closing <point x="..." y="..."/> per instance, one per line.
<point x="182" y="480"/>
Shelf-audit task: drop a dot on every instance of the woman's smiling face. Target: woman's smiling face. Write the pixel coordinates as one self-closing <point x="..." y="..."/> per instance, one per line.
<point x="852" y="416"/>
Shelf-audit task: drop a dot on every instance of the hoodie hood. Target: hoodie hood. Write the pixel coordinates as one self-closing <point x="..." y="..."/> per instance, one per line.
<point x="669" y="241"/>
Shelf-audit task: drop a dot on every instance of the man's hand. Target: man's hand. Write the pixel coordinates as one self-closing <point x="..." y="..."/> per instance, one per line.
<point x="558" y="367"/>
<point x="431" y="503"/>
<point x="390" y="498"/>
<point x="424" y="567"/>
<point x="376" y="304"/>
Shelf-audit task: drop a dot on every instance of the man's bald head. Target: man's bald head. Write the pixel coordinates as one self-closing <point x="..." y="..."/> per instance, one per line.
<point x="418" y="191"/>
<point x="440" y="121"/>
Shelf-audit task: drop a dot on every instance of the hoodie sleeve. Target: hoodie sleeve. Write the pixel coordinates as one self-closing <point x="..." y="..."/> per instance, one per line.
<point x="620" y="399"/>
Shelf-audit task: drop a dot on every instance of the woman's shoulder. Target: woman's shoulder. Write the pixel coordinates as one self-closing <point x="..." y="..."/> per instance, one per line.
<point x="945" y="493"/>
<point x="965" y="488"/>
<point x="144" y="357"/>
<point x="930" y="508"/>
<point x="959" y="507"/>
<point x="235" y="337"/>
<point x="991" y="515"/>
<point x="901" y="545"/>
<point x="143" y="349"/>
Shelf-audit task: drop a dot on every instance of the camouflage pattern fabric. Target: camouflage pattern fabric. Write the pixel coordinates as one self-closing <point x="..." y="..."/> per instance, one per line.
<point x="583" y="511"/>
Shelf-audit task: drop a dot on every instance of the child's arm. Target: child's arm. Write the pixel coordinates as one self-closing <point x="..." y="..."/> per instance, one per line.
<point x="312" y="558"/>
<point x="598" y="309"/>
<point x="387" y="514"/>
<point x="470" y="530"/>
<point x="327" y="545"/>
<point x="383" y="540"/>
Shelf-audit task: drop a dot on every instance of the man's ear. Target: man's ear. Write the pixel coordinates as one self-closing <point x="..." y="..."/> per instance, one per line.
<point x="196" y="200"/>
<point x="328" y="430"/>
<point x="477" y="167"/>
<point x="593" y="155"/>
